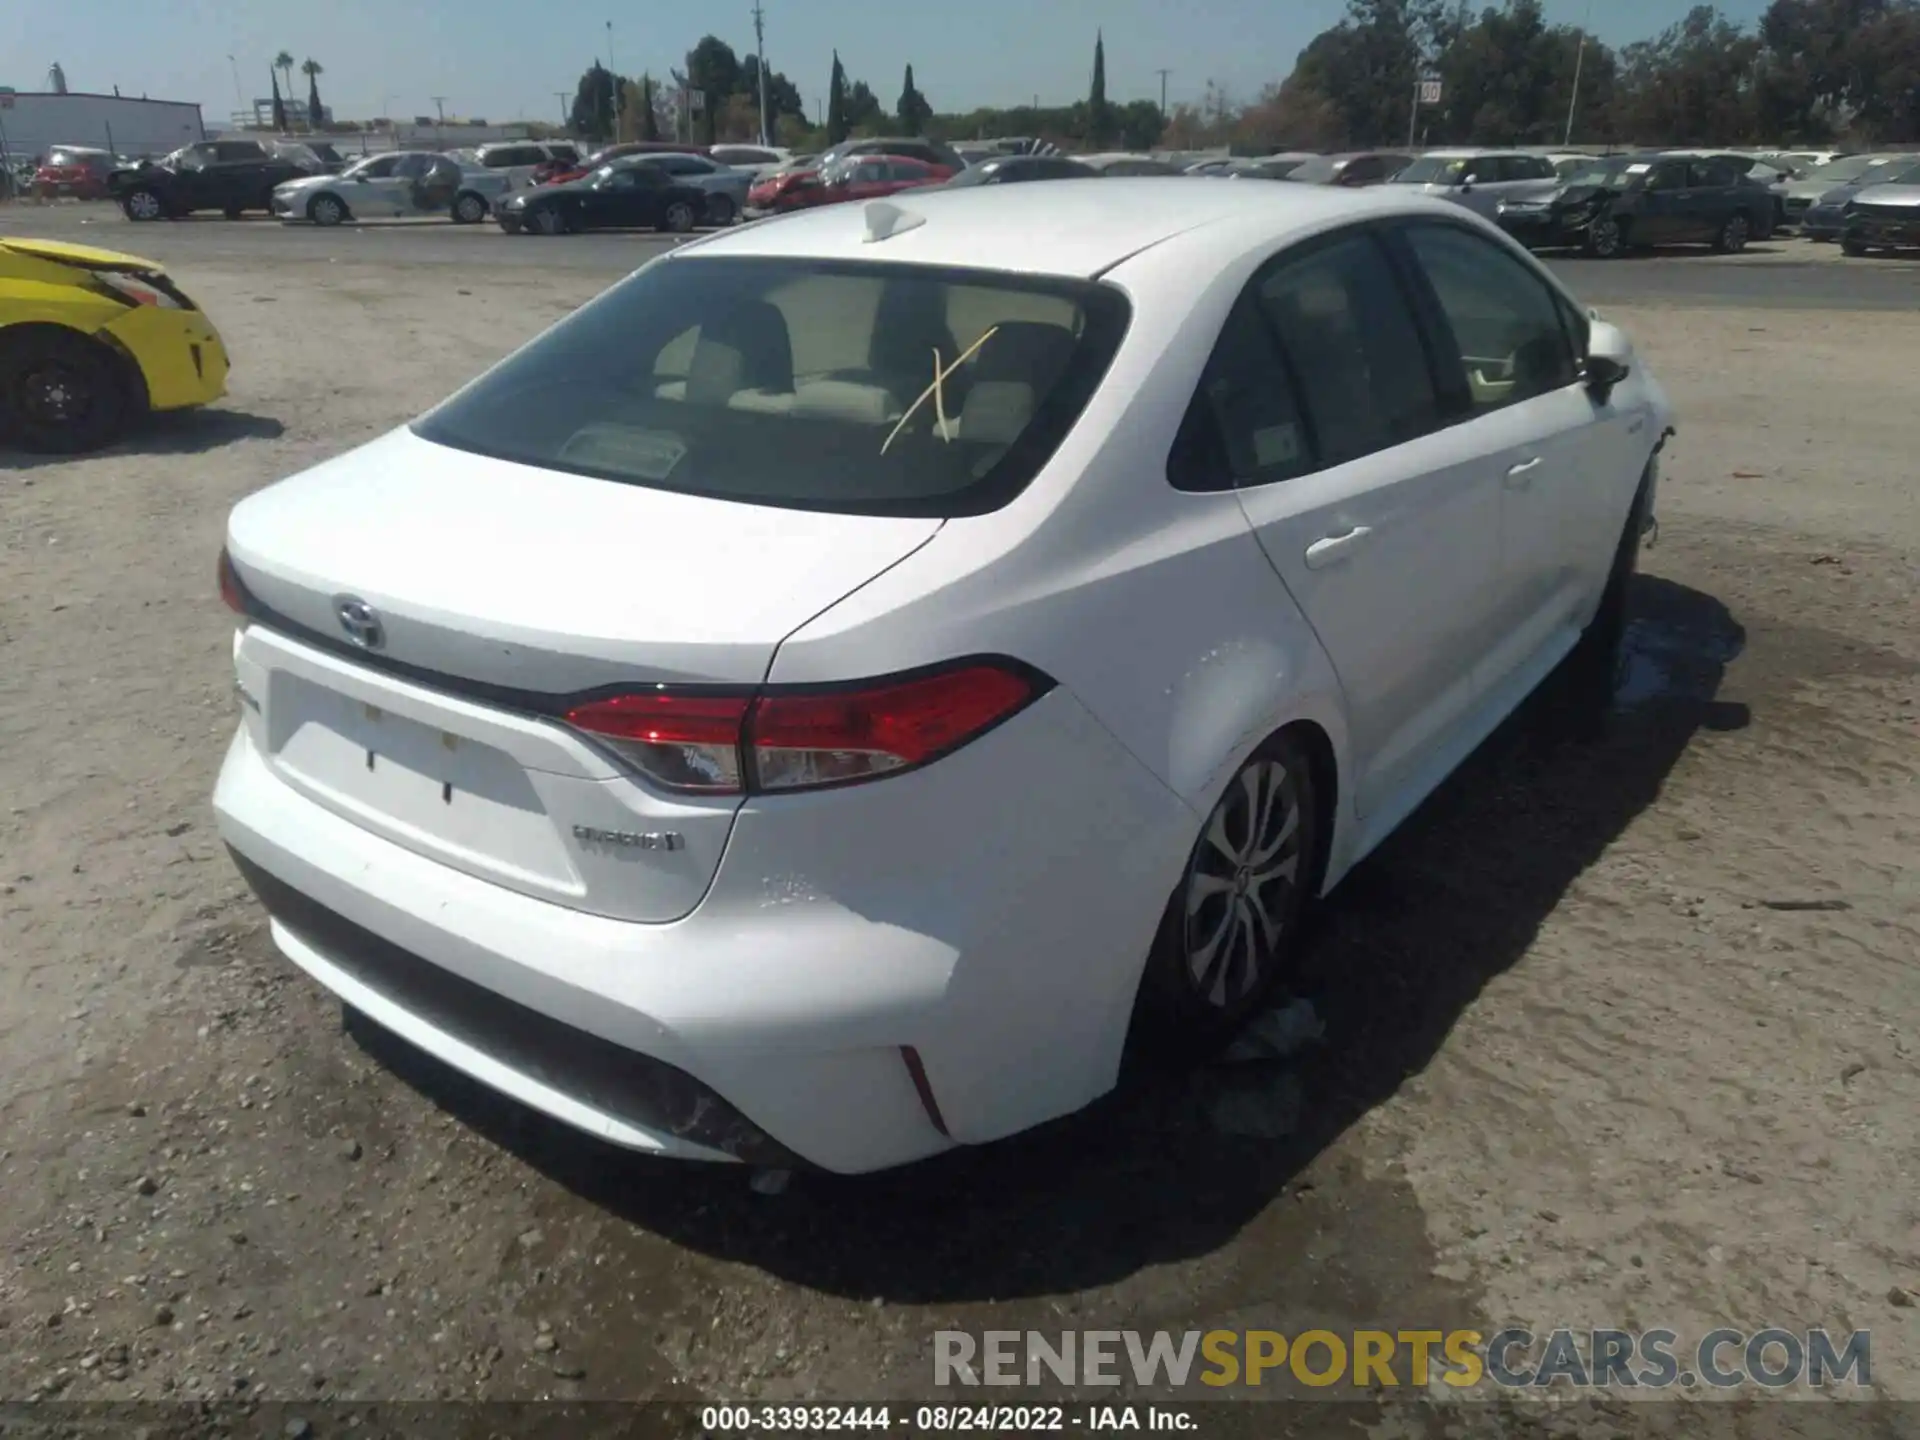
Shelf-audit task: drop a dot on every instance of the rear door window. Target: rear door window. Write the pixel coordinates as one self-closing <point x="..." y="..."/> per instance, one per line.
<point x="861" y="388"/>
<point x="1350" y="339"/>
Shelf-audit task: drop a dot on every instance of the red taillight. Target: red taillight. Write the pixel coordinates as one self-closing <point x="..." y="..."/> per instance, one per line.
<point x="232" y="594"/>
<point x="686" y="742"/>
<point x="784" y="740"/>
<point x="827" y="738"/>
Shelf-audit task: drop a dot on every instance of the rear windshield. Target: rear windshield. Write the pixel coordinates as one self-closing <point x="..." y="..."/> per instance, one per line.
<point x="805" y="384"/>
<point x="1432" y="170"/>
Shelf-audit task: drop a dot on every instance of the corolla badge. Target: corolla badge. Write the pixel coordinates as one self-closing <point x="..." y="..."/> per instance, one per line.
<point x="361" y="622"/>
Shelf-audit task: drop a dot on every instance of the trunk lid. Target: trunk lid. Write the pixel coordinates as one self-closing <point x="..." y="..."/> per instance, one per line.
<point x="498" y="590"/>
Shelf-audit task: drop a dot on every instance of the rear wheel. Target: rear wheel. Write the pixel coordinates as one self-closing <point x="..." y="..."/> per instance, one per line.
<point x="60" y="393"/>
<point x="469" y="209"/>
<point x="1226" y="939"/>
<point x="1605" y="238"/>
<point x="1852" y="245"/>
<point x="679" y="218"/>
<point x="326" y="210"/>
<point x="1733" y="235"/>
<point x="549" y="222"/>
<point x="509" y="225"/>
<point x="144" y="205"/>
<point x="721" y="210"/>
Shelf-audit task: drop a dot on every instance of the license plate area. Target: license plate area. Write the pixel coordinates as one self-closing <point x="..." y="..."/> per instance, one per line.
<point x="429" y="788"/>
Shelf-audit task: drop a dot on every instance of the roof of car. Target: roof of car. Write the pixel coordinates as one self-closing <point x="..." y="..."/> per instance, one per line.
<point x="1066" y="230"/>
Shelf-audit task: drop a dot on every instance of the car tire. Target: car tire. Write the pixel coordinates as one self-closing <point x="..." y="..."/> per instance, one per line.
<point x="1733" y="235"/>
<point x="1228" y="933"/>
<point x="721" y="211"/>
<point x="1606" y="238"/>
<point x="469" y="209"/>
<point x="326" y="210"/>
<point x="1590" y="675"/>
<point x="144" y="204"/>
<point x="1851" y="246"/>
<point x="509" y="225"/>
<point x="61" y="393"/>
<point x="549" y="222"/>
<point x="679" y="218"/>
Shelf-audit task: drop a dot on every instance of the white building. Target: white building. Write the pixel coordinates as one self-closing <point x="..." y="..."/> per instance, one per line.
<point x="33" y="122"/>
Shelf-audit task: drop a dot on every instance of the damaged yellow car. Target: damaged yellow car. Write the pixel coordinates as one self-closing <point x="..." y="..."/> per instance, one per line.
<point x="90" y="341"/>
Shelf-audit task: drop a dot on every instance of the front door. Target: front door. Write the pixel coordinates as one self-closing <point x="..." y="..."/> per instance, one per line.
<point x="1662" y="218"/>
<point x="1383" y="524"/>
<point x="1515" y="386"/>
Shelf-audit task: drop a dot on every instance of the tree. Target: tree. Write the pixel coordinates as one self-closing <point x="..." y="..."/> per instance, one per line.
<point x="313" y="70"/>
<point x="592" y="114"/>
<point x="783" y="97"/>
<point x="864" y="110"/>
<point x="649" y="110"/>
<point x="279" y="105"/>
<point x="837" y="124"/>
<point x="913" y="109"/>
<point x="1099" y="118"/>
<point x="283" y="62"/>
<point x="713" y="70"/>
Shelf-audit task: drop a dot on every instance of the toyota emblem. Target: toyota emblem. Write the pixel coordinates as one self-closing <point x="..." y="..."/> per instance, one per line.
<point x="361" y="622"/>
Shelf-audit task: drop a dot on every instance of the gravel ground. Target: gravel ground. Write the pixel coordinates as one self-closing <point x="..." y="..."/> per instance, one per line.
<point x="1621" y="1035"/>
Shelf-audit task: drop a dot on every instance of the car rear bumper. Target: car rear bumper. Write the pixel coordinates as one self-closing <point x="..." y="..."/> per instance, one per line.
<point x="862" y="986"/>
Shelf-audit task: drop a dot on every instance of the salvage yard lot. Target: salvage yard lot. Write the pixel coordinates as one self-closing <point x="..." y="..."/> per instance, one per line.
<point x="1626" y="1035"/>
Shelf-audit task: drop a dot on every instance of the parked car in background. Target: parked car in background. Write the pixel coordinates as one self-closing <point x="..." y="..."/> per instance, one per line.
<point x="927" y="152"/>
<point x="1630" y="202"/>
<point x="90" y="340"/>
<point x="524" y="160"/>
<point x="1011" y="169"/>
<point x="629" y="194"/>
<point x="853" y="177"/>
<point x="231" y="176"/>
<point x="1268" y="167"/>
<point x="560" y="171"/>
<point x="1813" y="186"/>
<point x="1123" y="165"/>
<point x="1353" y="168"/>
<point x="756" y="160"/>
<point x="725" y="188"/>
<point x="1882" y="217"/>
<point x="1825" y="220"/>
<point x="76" y="171"/>
<point x="1758" y="171"/>
<point x="397" y="184"/>
<point x="1479" y="179"/>
<point x="1050" y="695"/>
<point x="1801" y="161"/>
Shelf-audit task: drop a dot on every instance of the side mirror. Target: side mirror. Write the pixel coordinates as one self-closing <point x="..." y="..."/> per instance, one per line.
<point x="1609" y="358"/>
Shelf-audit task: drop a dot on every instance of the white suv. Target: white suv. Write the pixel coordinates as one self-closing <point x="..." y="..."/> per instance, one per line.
<point x="816" y="701"/>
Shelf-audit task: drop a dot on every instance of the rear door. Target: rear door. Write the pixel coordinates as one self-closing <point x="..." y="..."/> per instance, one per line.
<point x="1383" y="523"/>
<point x="1511" y="385"/>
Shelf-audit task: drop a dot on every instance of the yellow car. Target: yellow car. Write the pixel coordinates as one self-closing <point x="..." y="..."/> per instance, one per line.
<point x="90" y="340"/>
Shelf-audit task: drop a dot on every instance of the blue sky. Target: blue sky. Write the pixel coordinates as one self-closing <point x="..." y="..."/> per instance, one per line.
<point x="504" y="59"/>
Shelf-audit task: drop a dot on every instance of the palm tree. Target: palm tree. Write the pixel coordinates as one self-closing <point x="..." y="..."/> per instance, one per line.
<point x="313" y="70"/>
<point x="283" y="62"/>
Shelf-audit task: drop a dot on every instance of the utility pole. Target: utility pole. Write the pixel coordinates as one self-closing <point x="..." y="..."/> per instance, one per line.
<point x="760" y="53"/>
<point x="613" y="81"/>
<point x="1163" y="91"/>
<point x="440" y="109"/>
<point x="1578" y="56"/>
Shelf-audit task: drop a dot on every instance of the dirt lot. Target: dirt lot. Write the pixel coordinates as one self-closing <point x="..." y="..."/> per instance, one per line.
<point x="1590" y="1058"/>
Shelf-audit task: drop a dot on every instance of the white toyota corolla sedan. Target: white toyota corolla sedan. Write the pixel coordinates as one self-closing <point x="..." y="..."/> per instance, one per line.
<point x="813" y="703"/>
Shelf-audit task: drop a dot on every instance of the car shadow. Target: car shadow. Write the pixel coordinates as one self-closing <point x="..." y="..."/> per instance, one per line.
<point x="1151" y="1174"/>
<point x="170" y="432"/>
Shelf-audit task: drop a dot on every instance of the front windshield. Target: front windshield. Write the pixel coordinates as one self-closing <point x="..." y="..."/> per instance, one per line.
<point x="1432" y="170"/>
<point x="1599" y="172"/>
<point x="1839" y="172"/>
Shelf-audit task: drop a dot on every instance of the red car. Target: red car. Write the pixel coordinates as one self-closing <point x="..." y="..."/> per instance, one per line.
<point x="73" y="170"/>
<point x="556" y="173"/>
<point x="858" y="177"/>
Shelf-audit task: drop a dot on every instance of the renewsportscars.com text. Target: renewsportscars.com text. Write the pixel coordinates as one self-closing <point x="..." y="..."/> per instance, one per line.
<point x="1319" y="1359"/>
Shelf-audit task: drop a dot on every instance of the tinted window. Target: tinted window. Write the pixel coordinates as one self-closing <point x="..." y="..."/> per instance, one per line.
<point x="1508" y="337"/>
<point x="412" y="167"/>
<point x="1244" y="424"/>
<point x="1668" y="175"/>
<point x="239" y="150"/>
<point x="802" y="383"/>
<point x="1351" y="340"/>
<point x="1363" y="170"/>
<point x="1712" y="172"/>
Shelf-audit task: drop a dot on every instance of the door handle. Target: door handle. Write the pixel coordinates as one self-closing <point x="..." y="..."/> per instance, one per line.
<point x="1520" y="476"/>
<point x="1325" y="552"/>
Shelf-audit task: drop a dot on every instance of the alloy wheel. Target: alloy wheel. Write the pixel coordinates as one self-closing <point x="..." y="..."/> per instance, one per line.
<point x="1240" y="884"/>
<point x="143" y="205"/>
<point x="1733" y="238"/>
<point x="55" y="395"/>
<point x="328" y="211"/>
<point x="679" y="217"/>
<point x="1605" y="236"/>
<point x="469" y="209"/>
